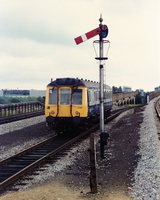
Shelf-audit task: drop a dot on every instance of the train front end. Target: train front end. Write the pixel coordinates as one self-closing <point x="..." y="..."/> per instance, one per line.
<point x="65" y="104"/>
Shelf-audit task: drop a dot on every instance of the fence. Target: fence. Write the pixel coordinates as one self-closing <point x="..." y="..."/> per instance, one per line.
<point x="20" y="108"/>
<point x="153" y="95"/>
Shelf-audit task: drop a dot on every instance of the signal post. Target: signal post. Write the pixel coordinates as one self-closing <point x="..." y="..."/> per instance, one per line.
<point x="103" y="135"/>
<point x="102" y="30"/>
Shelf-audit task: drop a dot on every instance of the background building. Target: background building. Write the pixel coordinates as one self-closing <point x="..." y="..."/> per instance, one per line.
<point x="156" y="89"/>
<point x="22" y="93"/>
<point x="126" y="89"/>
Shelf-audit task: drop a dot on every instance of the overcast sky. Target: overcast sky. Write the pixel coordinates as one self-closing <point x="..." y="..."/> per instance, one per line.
<point x="37" y="42"/>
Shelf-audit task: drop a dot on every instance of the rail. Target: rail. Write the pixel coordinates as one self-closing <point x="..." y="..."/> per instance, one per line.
<point x="157" y="107"/>
<point x="153" y="95"/>
<point x="14" y="167"/>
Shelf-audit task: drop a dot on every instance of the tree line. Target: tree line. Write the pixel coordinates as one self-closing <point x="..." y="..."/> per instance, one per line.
<point x="10" y="100"/>
<point x="117" y="89"/>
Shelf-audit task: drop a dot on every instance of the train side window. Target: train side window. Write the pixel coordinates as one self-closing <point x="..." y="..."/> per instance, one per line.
<point x="95" y="96"/>
<point x="64" y="96"/>
<point x="92" y="96"/>
<point x="53" y="96"/>
<point x="89" y="96"/>
<point x="105" y="95"/>
<point x="77" y="96"/>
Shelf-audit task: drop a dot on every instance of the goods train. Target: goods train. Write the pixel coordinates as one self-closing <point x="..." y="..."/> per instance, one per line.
<point x="71" y="103"/>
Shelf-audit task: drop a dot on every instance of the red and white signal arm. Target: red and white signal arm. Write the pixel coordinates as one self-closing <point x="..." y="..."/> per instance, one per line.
<point x="87" y="35"/>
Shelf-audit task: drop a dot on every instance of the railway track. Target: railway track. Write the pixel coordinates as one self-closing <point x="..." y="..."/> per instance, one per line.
<point x="157" y="107"/>
<point x="12" y="118"/>
<point x="16" y="166"/>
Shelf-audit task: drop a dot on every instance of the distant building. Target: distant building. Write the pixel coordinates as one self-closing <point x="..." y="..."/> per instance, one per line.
<point x="156" y="89"/>
<point x="22" y="93"/>
<point x="37" y="93"/>
<point x="126" y="89"/>
<point x="15" y="93"/>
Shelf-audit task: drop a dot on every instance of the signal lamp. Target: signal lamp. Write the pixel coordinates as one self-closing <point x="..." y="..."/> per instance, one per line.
<point x="52" y="112"/>
<point x="104" y="31"/>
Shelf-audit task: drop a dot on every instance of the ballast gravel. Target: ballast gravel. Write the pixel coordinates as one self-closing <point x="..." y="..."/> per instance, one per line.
<point x="147" y="174"/>
<point x="18" y="125"/>
<point x="22" y="134"/>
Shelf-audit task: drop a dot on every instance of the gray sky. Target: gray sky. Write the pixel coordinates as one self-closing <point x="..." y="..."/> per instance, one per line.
<point x="37" y="42"/>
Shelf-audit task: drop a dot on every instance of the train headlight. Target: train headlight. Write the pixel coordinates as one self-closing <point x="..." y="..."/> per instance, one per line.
<point x="77" y="112"/>
<point x="52" y="112"/>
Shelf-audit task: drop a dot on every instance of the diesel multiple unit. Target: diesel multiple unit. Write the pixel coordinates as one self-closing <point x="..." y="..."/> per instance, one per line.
<point x="72" y="103"/>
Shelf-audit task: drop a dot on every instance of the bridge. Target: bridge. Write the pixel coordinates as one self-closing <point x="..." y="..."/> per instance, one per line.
<point x="123" y="98"/>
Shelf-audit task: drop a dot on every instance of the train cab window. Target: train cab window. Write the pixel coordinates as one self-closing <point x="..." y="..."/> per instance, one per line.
<point x="53" y="96"/>
<point x="64" y="96"/>
<point x="77" y="96"/>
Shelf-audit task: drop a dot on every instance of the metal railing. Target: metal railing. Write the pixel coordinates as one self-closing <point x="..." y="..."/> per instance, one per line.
<point x="153" y="95"/>
<point x="20" y="108"/>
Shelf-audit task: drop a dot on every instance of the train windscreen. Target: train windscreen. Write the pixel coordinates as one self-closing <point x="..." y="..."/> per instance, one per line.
<point x="53" y="96"/>
<point x="77" y="96"/>
<point x="64" y="96"/>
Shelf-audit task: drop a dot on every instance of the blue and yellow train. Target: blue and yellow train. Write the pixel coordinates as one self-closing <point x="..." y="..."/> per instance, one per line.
<point x="71" y="103"/>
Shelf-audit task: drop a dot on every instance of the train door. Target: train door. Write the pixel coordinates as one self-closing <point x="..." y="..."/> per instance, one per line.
<point x="64" y="102"/>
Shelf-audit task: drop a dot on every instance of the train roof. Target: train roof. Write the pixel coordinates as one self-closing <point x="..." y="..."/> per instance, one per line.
<point x="74" y="82"/>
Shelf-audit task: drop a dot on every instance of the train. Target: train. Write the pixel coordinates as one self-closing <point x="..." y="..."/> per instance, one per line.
<point x="72" y="103"/>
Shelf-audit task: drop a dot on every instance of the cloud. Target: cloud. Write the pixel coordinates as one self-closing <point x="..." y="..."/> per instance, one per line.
<point x="37" y="41"/>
